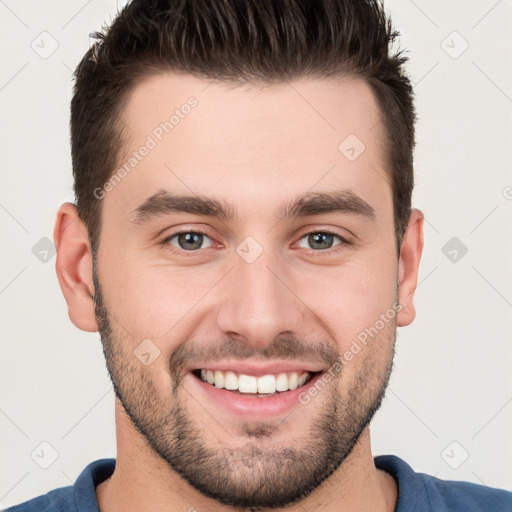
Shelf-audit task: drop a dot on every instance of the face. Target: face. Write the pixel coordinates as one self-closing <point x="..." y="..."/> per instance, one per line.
<point x="282" y="262"/>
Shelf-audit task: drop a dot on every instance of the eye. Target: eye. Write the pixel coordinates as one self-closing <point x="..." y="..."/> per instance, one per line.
<point x="188" y="240"/>
<point x="321" y="240"/>
<point x="194" y="241"/>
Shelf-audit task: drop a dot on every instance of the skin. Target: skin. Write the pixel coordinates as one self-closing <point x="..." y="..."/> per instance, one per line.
<point x="255" y="148"/>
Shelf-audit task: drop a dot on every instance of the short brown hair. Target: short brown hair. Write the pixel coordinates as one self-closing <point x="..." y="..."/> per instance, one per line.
<point x="237" y="41"/>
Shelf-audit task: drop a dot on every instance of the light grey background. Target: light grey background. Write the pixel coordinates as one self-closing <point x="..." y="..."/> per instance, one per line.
<point x="450" y="396"/>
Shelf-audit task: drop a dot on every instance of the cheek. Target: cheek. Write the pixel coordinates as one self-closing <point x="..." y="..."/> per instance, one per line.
<point x="147" y="299"/>
<point x="350" y="300"/>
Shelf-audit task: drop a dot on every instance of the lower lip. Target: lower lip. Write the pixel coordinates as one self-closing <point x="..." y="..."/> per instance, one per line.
<point x="251" y="406"/>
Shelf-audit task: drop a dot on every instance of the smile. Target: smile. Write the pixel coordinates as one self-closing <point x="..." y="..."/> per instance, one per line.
<point x="264" y="385"/>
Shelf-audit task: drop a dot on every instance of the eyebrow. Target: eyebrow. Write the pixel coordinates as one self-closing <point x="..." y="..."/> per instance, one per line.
<point x="164" y="203"/>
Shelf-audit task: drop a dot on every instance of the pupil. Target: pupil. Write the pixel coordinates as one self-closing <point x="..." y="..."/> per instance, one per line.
<point x="195" y="239"/>
<point x="317" y="239"/>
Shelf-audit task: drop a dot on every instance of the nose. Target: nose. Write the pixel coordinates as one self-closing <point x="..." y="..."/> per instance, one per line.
<point x="258" y="302"/>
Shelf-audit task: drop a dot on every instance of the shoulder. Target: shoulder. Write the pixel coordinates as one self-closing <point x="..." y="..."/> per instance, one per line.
<point x="78" y="497"/>
<point x="425" y="493"/>
<point x="60" y="500"/>
<point x="467" y="496"/>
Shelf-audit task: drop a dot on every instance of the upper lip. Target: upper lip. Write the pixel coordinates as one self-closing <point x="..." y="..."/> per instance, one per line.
<point x="258" y="369"/>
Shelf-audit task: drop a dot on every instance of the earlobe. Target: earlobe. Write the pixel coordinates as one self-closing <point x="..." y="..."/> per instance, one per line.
<point x="74" y="267"/>
<point x="410" y="256"/>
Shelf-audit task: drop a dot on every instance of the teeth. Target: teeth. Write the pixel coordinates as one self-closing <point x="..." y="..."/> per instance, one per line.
<point x="282" y="382"/>
<point x="264" y="385"/>
<point x="230" y="381"/>
<point x="219" y="379"/>
<point x="267" y="384"/>
<point x="293" y="381"/>
<point x="247" y="384"/>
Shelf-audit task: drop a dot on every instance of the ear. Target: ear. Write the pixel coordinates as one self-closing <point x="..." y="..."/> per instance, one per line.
<point x="74" y="267"/>
<point x="410" y="255"/>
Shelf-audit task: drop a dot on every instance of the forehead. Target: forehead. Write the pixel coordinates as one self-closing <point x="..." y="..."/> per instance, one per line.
<point x="249" y="142"/>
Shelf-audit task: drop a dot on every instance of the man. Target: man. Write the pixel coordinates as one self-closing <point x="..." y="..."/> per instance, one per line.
<point x="244" y="242"/>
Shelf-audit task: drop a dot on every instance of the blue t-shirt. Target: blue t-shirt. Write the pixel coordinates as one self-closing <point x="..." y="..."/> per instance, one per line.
<point x="417" y="492"/>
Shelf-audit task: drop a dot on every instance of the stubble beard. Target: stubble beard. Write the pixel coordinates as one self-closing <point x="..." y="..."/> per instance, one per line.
<point x="253" y="475"/>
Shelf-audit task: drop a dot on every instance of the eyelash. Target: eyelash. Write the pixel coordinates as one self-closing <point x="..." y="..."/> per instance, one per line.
<point x="167" y="239"/>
